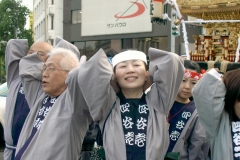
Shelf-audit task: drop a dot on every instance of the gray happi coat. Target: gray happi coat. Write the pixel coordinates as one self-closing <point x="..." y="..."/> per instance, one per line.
<point x="61" y="135"/>
<point x="209" y="94"/>
<point x="166" y="70"/>
<point x="192" y="143"/>
<point x="16" y="49"/>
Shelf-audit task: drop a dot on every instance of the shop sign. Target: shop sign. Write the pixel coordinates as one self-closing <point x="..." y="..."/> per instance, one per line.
<point x="106" y="17"/>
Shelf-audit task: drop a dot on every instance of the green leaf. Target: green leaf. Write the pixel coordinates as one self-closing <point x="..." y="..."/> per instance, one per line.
<point x="13" y="17"/>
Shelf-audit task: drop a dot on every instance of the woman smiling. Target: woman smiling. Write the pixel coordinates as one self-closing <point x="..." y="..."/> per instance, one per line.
<point x="135" y="123"/>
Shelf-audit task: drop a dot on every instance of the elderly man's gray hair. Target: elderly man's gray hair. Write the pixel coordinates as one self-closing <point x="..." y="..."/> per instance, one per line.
<point x="69" y="60"/>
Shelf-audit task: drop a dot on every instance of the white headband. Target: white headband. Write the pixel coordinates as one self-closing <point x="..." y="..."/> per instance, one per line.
<point x="129" y="55"/>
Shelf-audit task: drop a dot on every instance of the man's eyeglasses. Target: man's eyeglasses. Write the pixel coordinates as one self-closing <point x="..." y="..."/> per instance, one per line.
<point x="51" y="69"/>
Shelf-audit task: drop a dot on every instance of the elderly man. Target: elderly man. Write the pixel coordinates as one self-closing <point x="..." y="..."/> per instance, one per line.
<point x="59" y="119"/>
<point x="16" y="105"/>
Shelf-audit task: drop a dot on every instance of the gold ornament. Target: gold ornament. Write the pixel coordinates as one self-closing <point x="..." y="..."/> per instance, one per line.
<point x="177" y="21"/>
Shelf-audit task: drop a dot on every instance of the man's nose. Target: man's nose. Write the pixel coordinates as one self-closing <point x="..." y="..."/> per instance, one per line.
<point x="45" y="73"/>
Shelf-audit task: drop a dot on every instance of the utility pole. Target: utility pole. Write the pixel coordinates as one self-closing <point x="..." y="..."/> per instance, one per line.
<point x="15" y="19"/>
<point x="172" y="44"/>
<point x="15" y="16"/>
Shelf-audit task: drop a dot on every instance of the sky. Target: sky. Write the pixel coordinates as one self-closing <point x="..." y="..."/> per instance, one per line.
<point x="29" y="4"/>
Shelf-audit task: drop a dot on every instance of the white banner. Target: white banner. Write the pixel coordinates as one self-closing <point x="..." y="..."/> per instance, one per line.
<point x="105" y="17"/>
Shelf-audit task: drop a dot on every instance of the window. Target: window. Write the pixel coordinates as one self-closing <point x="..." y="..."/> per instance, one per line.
<point x="76" y="16"/>
<point x="52" y="1"/>
<point x="51" y="42"/>
<point x="81" y="46"/>
<point x="89" y="48"/>
<point x="143" y="44"/>
<point x="43" y="32"/>
<point x="43" y="5"/>
<point x="40" y="26"/>
<point x="52" y="22"/>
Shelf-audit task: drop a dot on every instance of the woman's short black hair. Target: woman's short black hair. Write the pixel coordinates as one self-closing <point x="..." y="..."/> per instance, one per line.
<point x="188" y="64"/>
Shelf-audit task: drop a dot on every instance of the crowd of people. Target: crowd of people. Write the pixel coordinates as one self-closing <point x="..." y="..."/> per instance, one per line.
<point x="61" y="106"/>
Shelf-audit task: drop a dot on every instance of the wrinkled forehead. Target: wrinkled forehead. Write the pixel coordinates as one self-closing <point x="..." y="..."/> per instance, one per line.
<point x="40" y="47"/>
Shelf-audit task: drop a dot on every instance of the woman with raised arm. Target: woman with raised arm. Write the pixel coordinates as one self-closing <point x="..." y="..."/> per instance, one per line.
<point x="187" y="136"/>
<point x="217" y="100"/>
<point x="136" y="127"/>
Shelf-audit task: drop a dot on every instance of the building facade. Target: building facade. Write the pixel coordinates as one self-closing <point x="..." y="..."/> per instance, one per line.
<point x="48" y="18"/>
<point x="88" y="34"/>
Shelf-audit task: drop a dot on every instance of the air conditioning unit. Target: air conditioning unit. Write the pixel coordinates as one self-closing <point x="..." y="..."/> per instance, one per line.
<point x="51" y="34"/>
<point x="51" y="9"/>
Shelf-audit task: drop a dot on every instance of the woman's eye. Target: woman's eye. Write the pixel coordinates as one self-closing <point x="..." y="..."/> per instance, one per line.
<point x="122" y="66"/>
<point x="193" y="83"/>
<point x="184" y="80"/>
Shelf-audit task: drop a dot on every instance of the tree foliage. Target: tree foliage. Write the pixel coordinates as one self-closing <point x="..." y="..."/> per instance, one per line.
<point x="13" y="17"/>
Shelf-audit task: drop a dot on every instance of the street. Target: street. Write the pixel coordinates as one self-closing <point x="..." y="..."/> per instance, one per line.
<point x="1" y="150"/>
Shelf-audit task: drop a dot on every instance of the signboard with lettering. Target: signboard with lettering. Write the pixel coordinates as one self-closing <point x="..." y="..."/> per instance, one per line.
<point x="106" y="17"/>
